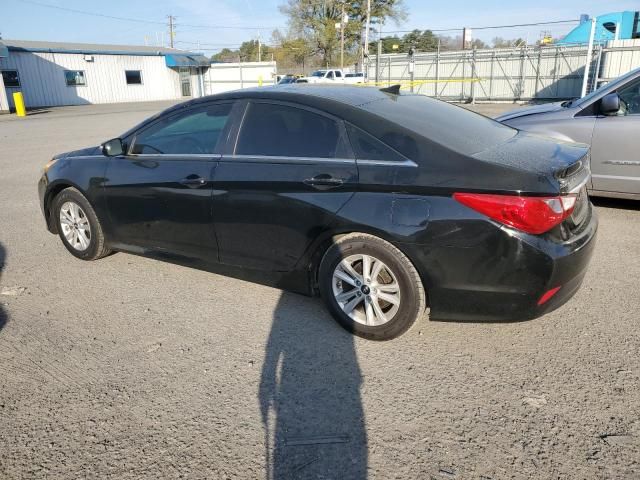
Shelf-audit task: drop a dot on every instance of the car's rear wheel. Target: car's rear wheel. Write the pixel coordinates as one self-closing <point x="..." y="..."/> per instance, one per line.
<point x="78" y="225"/>
<point x="371" y="287"/>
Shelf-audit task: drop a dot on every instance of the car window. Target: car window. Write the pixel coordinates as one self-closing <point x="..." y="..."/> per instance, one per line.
<point x="613" y="85"/>
<point x="458" y="128"/>
<point x="367" y="147"/>
<point x="194" y="132"/>
<point x="338" y="74"/>
<point x="630" y="95"/>
<point x="281" y="130"/>
<point x="330" y="75"/>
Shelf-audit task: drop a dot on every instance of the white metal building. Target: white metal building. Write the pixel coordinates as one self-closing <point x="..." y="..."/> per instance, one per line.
<point x="53" y="73"/>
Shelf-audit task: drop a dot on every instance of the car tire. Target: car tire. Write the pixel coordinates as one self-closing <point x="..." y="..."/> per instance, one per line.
<point x="78" y="225"/>
<point x="380" y="305"/>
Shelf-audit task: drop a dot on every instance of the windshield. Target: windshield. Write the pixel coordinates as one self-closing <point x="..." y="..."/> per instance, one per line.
<point x="319" y="73"/>
<point x="612" y="85"/>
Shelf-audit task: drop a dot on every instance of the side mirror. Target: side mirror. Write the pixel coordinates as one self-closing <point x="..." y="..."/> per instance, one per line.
<point x="610" y="104"/>
<point x="113" y="147"/>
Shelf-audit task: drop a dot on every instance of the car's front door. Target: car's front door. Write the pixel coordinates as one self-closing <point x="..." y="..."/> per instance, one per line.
<point x="291" y="171"/>
<point x="615" y="145"/>
<point x="159" y="193"/>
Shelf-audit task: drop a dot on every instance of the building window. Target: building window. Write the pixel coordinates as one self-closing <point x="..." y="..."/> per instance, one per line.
<point x="134" y="77"/>
<point x="10" y="78"/>
<point x="74" y="78"/>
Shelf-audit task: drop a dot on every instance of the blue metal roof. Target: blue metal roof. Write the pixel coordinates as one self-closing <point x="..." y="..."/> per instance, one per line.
<point x="190" y="60"/>
<point x="4" y="51"/>
<point x="606" y="25"/>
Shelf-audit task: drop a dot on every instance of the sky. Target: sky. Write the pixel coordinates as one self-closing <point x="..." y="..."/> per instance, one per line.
<point x="209" y="25"/>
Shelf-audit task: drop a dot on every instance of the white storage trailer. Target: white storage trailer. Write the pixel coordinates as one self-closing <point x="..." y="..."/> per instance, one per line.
<point x="54" y="73"/>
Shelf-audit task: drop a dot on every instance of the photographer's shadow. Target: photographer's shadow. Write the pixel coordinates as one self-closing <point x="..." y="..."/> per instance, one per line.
<point x="310" y="396"/>
<point x="4" y="317"/>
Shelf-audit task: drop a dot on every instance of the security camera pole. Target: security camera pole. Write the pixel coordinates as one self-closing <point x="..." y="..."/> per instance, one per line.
<point x="411" y="64"/>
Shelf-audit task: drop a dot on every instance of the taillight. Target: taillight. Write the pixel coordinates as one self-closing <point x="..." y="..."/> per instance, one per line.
<point x="530" y="214"/>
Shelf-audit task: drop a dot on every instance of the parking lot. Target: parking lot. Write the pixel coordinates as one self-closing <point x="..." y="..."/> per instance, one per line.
<point x="132" y="368"/>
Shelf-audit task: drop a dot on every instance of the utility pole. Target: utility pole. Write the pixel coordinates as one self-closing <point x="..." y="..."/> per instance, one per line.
<point x="342" y="39"/>
<point x="171" y="29"/>
<point x="366" y="41"/>
<point x="378" y="54"/>
<point x="259" y="49"/>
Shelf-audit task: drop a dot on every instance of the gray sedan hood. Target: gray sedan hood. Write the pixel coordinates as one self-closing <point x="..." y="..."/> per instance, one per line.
<point x="532" y="110"/>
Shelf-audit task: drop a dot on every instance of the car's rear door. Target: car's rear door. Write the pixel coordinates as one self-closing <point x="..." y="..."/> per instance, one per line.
<point x="290" y="172"/>
<point x="159" y="193"/>
<point x="615" y="146"/>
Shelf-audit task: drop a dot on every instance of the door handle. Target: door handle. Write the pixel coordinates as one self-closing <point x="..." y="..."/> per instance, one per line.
<point x="323" y="181"/>
<point x="193" y="181"/>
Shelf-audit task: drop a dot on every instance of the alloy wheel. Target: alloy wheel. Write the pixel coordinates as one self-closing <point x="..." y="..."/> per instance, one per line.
<point x="366" y="289"/>
<point x="75" y="226"/>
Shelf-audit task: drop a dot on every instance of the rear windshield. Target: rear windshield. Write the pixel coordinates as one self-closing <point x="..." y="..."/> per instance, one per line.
<point x="453" y="127"/>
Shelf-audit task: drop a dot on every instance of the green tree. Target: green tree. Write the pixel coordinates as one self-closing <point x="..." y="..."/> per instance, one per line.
<point x="477" y="43"/>
<point x="294" y="54"/>
<point x="253" y="51"/>
<point x="499" y="42"/>
<point x="315" y="21"/>
<point x="248" y="52"/>
<point x="421" y="41"/>
<point x="226" y="55"/>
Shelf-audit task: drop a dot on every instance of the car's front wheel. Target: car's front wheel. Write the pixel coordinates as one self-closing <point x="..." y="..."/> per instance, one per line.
<point x="371" y="287"/>
<point x="78" y="225"/>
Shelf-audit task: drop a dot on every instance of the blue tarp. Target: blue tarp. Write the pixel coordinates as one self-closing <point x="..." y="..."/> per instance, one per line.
<point x="174" y="60"/>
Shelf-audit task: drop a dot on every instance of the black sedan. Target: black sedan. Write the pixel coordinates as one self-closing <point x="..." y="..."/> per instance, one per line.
<point x="383" y="203"/>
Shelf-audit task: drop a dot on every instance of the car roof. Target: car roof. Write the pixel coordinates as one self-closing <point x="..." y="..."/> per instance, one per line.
<point x="333" y="99"/>
<point x="309" y="94"/>
<point x="378" y="111"/>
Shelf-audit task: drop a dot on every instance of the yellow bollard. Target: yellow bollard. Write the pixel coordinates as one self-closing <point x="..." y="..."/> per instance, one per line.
<point x="18" y="100"/>
<point x="259" y="80"/>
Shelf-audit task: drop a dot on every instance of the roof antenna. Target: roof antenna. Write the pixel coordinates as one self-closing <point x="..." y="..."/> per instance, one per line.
<point x="393" y="89"/>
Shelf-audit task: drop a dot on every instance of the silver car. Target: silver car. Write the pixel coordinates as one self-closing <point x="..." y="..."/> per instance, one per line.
<point x="608" y="119"/>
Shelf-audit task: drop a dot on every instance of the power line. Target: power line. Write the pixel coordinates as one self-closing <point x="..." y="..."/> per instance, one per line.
<point x="139" y="20"/>
<point x="526" y="24"/>
<point x="488" y="27"/>
<point x="82" y="12"/>
<point x="210" y="44"/>
<point x="230" y="27"/>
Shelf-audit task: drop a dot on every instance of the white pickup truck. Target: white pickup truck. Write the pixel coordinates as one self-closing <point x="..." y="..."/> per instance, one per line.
<point x="324" y="76"/>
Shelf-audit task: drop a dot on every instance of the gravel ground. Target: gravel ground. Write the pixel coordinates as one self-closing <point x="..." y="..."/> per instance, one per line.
<point x="132" y="368"/>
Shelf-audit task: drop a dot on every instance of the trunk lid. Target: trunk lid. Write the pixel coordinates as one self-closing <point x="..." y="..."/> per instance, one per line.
<point x="564" y="165"/>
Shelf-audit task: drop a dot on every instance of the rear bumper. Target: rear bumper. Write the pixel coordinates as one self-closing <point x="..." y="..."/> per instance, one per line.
<point x="504" y="277"/>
